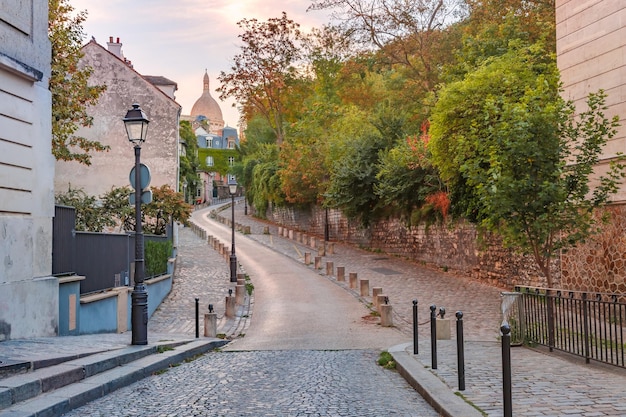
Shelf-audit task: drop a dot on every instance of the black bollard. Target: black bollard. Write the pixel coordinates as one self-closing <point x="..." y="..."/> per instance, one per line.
<point x="433" y="335"/>
<point x="460" y="350"/>
<point x="197" y="318"/>
<point x="415" y="336"/>
<point x="506" y="370"/>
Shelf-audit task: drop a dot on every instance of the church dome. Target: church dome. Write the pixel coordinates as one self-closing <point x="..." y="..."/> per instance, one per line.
<point x="207" y="106"/>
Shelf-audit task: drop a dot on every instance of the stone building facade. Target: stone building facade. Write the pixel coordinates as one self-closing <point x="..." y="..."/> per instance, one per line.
<point x="125" y="86"/>
<point x="29" y="299"/>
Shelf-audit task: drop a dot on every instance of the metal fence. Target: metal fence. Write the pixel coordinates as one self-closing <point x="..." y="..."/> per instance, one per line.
<point x="590" y="325"/>
<point x="104" y="259"/>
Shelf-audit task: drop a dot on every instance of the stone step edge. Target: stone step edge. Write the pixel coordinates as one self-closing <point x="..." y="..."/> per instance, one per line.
<point x="69" y="397"/>
<point x="23" y="386"/>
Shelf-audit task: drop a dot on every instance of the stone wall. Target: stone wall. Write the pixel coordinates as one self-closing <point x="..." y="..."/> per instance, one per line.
<point x="455" y="248"/>
<point x="599" y="265"/>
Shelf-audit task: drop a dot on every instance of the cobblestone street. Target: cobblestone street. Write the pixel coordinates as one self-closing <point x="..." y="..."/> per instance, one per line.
<point x="268" y="383"/>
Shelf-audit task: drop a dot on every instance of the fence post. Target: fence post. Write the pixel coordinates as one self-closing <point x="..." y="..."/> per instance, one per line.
<point x="197" y="318"/>
<point x="506" y="369"/>
<point x="415" y="336"/>
<point x="550" y="305"/>
<point x="585" y="306"/>
<point x="433" y="336"/>
<point x="460" y="352"/>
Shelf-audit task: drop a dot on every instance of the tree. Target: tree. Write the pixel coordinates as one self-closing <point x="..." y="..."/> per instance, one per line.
<point x="90" y="216"/>
<point x="69" y="85"/>
<point x="167" y="205"/>
<point x="189" y="163"/>
<point x="264" y="72"/>
<point x="523" y="156"/>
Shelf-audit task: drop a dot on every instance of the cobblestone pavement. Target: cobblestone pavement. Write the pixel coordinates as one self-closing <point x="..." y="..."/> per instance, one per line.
<point x="200" y="273"/>
<point x="543" y="384"/>
<point x="264" y="383"/>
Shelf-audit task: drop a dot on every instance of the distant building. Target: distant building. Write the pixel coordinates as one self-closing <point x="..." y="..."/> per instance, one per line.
<point x="217" y="145"/>
<point x="29" y="295"/>
<point x="125" y="86"/>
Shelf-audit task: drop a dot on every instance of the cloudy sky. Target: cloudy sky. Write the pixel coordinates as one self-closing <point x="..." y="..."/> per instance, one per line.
<point x="179" y="39"/>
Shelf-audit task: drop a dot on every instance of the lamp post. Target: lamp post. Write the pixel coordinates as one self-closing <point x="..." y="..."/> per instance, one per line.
<point x="136" y="124"/>
<point x="232" y="188"/>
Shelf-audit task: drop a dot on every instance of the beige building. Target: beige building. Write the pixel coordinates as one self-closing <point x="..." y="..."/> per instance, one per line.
<point x="591" y="55"/>
<point x="29" y="295"/>
<point x="125" y="86"/>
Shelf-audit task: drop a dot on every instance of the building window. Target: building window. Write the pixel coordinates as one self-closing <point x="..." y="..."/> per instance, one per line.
<point x="209" y="161"/>
<point x="209" y="142"/>
<point x="199" y="192"/>
<point x="231" y="161"/>
<point x="231" y="144"/>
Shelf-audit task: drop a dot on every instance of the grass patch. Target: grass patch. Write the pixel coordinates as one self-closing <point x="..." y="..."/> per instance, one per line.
<point x="386" y="360"/>
<point x="221" y="336"/>
<point x="164" y="348"/>
<point x="458" y="394"/>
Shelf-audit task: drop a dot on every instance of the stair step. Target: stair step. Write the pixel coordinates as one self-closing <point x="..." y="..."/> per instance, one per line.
<point x="58" y="389"/>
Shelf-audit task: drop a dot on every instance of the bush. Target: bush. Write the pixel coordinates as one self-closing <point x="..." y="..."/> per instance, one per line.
<point x="156" y="254"/>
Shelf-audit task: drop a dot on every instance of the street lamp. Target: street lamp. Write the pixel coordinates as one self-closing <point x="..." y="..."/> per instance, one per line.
<point x="136" y="124"/>
<point x="232" y="188"/>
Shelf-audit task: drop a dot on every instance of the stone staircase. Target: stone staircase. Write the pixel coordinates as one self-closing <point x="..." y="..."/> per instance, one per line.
<point x="52" y="387"/>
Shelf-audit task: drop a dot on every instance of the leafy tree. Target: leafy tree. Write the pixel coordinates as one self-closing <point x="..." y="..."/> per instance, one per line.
<point x="167" y="205"/>
<point x="115" y="205"/>
<point x="69" y="85"/>
<point x="524" y="158"/>
<point x="189" y="163"/>
<point x="263" y="74"/>
<point x="90" y="216"/>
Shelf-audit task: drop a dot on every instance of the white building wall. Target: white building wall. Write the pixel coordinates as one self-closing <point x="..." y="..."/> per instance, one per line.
<point x="591" y="55"/>
<point x="28" y="292"/>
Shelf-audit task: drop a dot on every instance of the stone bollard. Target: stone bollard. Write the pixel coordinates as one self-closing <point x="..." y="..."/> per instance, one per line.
<point x="443" y="329"/>
<point x="380" y="301"/>
<point x="312" y="242"/>
<point x="341" y="273"/>
<point x="318" y="262"/>
<point x="242" y="277"/>
<point x="386" y="316"/>
<point x="353" y="279"/>
<point x="365" y="288"/>
<point x="246" y="230"/>
<point x="375" y="292"/>
<point x="330" y="269"/>
<point x="286" y="232"/>
<point x="291" y="234"/>
<point x="305" y="239"/>
<point x="240" y="281"/>
<point x="240" y="293"/>
<point x="266" y="230"/>
<point x="230" y="306"/>
<point x="280" y="230"/>
<point x="321" y="251"/>
<point x="330" y="248"/>
<point x="210" y="325"/>
<point x="307" y="258"/>
<point x="299" y="237"/>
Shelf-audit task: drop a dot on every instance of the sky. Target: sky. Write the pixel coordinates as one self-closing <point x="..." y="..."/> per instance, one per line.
<point x="179" y="39"/>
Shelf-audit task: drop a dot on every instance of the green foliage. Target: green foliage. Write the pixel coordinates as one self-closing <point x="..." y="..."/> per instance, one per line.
<point x="521" y="158"/>
<point x="189" y="163"/>
<point x="156" y="254"/>
<point x="220" y="159"/>
<point x="90" y="216"/>
<point x="167" y="205"/>
<point x="386" y="360"/>
<point x="69" y="85"/>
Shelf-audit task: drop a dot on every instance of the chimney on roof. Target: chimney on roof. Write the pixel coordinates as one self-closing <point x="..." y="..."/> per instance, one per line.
<point x="115" y="47"/>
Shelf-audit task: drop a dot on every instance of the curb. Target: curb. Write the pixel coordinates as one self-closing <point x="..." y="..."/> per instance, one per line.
<point x="429" y="386"/>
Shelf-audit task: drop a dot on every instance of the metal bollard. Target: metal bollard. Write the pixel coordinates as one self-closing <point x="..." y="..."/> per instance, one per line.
<point x="506" y="370"/>
<point x="415" y="336"/>
<point x="433" y="336"/>
<point x="197" y="318"/>
<point x="460" y="353"/>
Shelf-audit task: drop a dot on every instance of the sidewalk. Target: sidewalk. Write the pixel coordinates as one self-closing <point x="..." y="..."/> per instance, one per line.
<point x="544" y="384"/>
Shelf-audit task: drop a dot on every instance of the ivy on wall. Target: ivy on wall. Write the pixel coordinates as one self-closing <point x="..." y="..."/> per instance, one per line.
<point x="220" y="159"/>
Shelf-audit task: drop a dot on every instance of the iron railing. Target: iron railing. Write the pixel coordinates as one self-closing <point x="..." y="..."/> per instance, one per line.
<point x="590" y="325"/>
